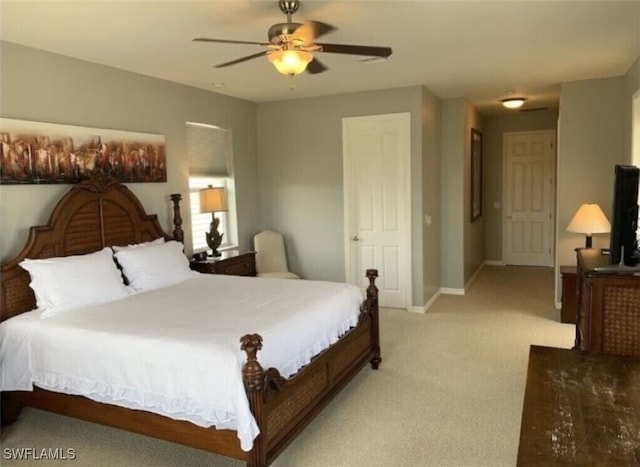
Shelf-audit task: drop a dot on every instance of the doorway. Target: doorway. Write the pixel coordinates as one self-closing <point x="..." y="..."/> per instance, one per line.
<point x="377" y="200"/>
<point x="529" y="197"/>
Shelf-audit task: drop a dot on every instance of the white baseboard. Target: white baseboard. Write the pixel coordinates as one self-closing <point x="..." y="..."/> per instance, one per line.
<point x="430" y="302"/>
<point x="473" y="278"/>
<point x="456" y="291"/>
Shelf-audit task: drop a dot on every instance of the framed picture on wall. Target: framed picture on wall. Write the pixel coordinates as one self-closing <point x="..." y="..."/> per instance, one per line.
<point x="476" y="174"/>
<point x="45" y="153"/>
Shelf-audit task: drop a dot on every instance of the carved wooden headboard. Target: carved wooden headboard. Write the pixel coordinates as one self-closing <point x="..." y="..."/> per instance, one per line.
<point x="93" y="214"/>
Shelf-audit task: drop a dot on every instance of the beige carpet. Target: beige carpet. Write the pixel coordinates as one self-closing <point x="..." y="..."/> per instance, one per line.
<point x="448" y="393"/>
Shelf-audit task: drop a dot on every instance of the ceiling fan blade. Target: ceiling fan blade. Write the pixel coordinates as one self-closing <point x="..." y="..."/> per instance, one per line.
<point x="225" y="41"/>
<point x="309" y="31"/>
<point x="368" y="50"/>
<point x="243" y="59"/>
<point x="315" y="66"/>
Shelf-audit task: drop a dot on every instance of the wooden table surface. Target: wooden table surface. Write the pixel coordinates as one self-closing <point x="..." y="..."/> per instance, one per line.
<point x="580" y="409"/>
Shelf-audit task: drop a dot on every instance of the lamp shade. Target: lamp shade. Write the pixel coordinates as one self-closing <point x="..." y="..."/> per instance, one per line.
<point x="290" y="62"/>
<point x="213" y="199"/>
<point x="589" y="220"/>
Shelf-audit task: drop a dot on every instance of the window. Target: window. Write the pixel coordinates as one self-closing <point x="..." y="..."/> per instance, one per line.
<point x="209" y="152"/>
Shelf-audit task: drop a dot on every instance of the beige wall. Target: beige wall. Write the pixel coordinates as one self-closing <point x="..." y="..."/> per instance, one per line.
<point x="300" y="178"/>
<point x="431" y="188"/>
<point x="40" y="86"/>
<point x="591" y="140"/>
<point x="301" y="184"/>
<point x="462" y="240"/>
<point x="452" y="192"/>
<point x="594" y="135"/>
<point x="473" y="231"/>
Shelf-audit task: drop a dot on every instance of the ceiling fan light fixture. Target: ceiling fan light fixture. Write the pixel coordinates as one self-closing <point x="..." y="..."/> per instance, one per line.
<point x="290" y="62"/>
<point x="513" y="102"/>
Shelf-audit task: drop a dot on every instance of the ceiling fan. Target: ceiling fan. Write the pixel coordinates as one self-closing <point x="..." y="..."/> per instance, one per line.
<point x="291" y="45"/>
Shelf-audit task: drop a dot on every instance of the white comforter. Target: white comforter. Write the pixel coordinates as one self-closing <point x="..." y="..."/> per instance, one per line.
<point x="176" y="351"/>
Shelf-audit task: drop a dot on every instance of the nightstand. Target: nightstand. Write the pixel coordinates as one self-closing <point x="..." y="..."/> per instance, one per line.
<point x="231" y="263"/>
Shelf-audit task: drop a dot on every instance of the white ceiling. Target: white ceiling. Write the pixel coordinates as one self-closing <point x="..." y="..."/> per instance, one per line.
<point x="478" y="50"/>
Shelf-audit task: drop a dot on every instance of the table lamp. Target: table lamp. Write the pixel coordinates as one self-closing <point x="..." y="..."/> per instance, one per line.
<point x="589" y="220"/>
<point x="213" y="200"/>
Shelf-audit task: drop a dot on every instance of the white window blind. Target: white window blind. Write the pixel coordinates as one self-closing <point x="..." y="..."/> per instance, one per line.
<point x="208" y="148"/>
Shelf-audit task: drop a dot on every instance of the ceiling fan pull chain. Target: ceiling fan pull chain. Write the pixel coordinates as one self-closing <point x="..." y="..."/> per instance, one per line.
<point x="292" y="84"/>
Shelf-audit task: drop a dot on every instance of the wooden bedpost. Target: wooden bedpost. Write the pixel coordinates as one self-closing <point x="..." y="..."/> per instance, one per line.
<point x="371" y="305"/>
<point x="253" y="378"/>
<point x="178" y="233"/>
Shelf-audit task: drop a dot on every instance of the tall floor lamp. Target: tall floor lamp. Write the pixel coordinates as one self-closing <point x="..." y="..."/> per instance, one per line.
<point x="589" y="220"/>
<point x="213" y="200"/>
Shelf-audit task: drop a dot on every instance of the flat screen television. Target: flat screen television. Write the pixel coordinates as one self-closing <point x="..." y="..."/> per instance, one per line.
<point x="623" y="244"/>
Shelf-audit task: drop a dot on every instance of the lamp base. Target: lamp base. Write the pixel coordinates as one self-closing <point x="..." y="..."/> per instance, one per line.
<point x="214" y="238"/>
<point x="589" y="242"/>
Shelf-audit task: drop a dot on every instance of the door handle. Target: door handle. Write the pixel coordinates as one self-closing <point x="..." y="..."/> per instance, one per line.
<point x="355" y="238"/>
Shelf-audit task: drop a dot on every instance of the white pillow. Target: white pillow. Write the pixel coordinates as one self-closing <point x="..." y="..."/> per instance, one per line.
<point x="157" y="241"/>
<point x="154" y="266"/>
<point x="70" y="282"/>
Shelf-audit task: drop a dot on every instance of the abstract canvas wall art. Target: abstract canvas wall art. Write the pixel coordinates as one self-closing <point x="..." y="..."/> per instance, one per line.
<point x="41" y="153"/>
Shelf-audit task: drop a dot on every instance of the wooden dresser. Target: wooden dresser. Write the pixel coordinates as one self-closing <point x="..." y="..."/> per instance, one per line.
<point x="608" y="318"/>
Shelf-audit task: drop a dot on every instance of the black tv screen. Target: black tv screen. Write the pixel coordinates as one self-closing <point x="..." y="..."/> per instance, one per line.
<point x="623" y="243"/>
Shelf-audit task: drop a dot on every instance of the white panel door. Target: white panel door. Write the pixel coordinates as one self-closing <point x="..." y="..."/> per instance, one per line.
<point x="376" y="153"/>
<point x="529" y="198"/>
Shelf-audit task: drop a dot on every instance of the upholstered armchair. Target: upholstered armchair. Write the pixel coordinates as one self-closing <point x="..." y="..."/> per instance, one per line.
<point x="271" y="260"/>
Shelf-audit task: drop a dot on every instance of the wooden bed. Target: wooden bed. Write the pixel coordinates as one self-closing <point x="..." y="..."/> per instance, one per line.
<point x="103" y="212"/>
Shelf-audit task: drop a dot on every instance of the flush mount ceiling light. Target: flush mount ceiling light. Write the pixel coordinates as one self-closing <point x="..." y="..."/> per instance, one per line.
<point x="513" y="102"/>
